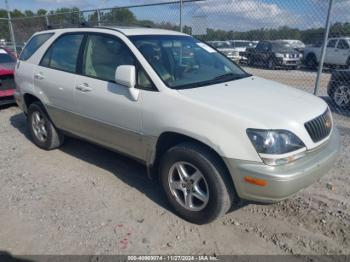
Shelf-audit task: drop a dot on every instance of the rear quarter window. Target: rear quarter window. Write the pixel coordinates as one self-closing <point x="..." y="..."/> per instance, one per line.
<point x="34" y="44"/>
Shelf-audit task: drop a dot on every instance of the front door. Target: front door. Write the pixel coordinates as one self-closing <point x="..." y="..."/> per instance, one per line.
<point x="108" y="113"/>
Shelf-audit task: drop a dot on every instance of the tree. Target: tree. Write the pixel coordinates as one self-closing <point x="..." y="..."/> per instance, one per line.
<point x="41" y="12"/>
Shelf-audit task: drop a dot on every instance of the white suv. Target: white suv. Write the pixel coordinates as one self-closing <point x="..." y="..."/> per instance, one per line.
<point x="212" y="132"/>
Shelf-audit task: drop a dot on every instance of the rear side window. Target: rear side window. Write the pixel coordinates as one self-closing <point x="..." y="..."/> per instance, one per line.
<point x="33" y="45"/>
<point x="63" y="53"/>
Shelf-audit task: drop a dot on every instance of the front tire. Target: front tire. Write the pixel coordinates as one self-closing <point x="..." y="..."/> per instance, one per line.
<point x="196" y="183"/>
<point x="41" y="129"/>
<point x="250" y="61"/>
<point x="311" y="61"/>
<point x="271" y="65"/>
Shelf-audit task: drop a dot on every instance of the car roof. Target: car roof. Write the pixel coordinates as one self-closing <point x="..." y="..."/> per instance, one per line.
<point x="337" y="38"/>
<point x="126" y="30"/>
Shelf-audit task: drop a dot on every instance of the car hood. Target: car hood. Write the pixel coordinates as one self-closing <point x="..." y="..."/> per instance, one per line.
<point x="7" y="67"/>
<point x="265" y="103"/>
<point x="286" y="51"/>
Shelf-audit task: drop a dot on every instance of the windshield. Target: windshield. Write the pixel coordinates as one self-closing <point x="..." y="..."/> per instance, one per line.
<point x="184" y="62"/>
<point x="280" y="46"/>
<point x="221" y="44"/>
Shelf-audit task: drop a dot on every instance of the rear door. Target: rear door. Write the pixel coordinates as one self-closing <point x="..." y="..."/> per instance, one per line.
<point x="55" y="77"/>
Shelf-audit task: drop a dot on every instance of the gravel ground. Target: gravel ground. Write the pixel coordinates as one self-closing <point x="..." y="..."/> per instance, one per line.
<point x="83" y="199"/>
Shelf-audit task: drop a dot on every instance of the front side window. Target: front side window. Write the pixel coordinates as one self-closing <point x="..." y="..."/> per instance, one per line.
<point x="331" y="43"/>
<point x="33" y="45"/>
<point x="63" y="54"/>
<point x="103" y="54"/>
<point x="184" y="62"/>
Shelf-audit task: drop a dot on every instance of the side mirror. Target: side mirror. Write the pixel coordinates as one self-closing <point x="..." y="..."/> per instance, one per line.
<point x="125" y="75"/>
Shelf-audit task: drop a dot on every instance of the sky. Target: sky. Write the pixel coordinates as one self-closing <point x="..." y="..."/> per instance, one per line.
<point x="237" y="15"/>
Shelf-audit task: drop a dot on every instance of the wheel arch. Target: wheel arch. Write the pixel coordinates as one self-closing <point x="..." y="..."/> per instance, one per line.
<point x="28" y="99"/>
<point x="169" y="139"/>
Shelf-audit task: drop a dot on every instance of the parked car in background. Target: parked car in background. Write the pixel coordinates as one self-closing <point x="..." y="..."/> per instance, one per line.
<point x="226" y="48"/>
<point x="337" y="53"/>
<point x="241" y="46"/>
<point x="339" y="88"/>
<point x="296" y="44"/>
<point x="273" y="54"/>
<point x="211" y="132"/>
<point x="7" y="86"/>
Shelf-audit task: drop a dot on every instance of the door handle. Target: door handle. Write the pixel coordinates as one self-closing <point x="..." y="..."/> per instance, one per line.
<point x="83" y="87"/>
<point x="39" y="76"/>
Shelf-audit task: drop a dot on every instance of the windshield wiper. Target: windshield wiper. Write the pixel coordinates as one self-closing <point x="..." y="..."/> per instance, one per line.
<point x="228" y="77"/>
<point x="219" y="79"/>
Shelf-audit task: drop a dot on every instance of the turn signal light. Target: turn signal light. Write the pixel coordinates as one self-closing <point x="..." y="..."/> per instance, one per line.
<point x="255" y="181"/>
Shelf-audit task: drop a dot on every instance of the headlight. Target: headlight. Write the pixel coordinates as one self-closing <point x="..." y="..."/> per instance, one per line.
<point x="279" y="55"/>
<point x="276" y="147"/>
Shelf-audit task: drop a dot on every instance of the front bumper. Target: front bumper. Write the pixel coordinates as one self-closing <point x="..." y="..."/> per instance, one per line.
<point x="6" y="97"/>
<point x="289" y="62"/>
<point x="283" y="181"/>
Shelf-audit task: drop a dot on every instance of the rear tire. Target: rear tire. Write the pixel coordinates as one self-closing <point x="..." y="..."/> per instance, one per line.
<point x="250" y="61"/>
<point x="41" y="129"/>
<point x="189" y="170"/>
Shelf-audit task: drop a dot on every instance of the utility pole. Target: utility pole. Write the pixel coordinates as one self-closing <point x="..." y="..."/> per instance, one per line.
<point x="181" y="6"/>
<point x="324" y="47"/>
<point x="10" y="27"/>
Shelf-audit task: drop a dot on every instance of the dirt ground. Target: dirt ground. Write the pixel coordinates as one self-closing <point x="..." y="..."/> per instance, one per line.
<point x="83" y="199"/>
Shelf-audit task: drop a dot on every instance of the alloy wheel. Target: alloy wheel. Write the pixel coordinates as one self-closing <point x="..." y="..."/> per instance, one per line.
<point x="342" y="96"/>
<point x="188" y="185"/>
<point x="39" y="127"/>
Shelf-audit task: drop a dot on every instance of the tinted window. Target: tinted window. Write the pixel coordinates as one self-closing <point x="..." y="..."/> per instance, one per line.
<point x="260" y="46"/>
<point x="34" y="45"/>
<point x="63" y="54"/>
<point x="331" y="43"/>
<point x="342" y="44"/>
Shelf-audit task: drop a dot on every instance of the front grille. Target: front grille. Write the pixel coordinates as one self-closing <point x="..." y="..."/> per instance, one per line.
<point x="320" y="127"/>
<point x="6" y="82"/>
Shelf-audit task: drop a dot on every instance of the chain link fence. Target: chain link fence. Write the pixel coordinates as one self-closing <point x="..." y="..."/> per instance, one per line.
<point x="275" y="39"/>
